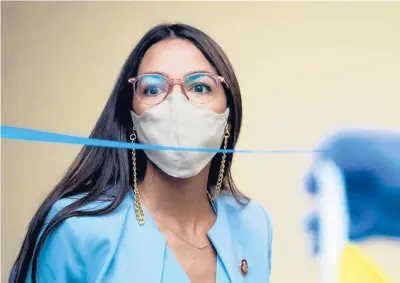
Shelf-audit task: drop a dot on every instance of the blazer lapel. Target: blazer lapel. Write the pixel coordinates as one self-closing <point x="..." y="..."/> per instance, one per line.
<point x="229" y="249"/>
<point x="149" y="250"/>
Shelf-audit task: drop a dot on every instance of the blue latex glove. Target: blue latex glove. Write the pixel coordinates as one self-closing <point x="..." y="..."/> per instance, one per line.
<point x="370" y="164"/>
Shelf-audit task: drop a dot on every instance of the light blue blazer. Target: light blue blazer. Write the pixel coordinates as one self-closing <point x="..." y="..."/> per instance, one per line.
<point x="115" y="248"/>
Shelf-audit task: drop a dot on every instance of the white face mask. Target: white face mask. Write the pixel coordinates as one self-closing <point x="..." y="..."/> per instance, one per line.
<point x="179" y="123"/>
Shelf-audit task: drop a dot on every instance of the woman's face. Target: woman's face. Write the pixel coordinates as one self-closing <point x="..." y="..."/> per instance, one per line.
<point x="177" y="58"/>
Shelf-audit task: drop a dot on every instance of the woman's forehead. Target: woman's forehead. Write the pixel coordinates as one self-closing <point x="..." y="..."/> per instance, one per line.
<point x="176" y="58"/>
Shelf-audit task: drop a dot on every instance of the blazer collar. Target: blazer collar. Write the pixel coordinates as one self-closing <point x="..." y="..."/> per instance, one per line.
<point x="227" y="246"/>
<point x="150" y="244"/>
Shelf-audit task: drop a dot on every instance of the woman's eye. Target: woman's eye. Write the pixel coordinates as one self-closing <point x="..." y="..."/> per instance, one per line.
<point x="152" y="90"/>
<point x="200" y="88"/>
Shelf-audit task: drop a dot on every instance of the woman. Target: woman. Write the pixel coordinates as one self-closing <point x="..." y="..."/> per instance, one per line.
<point x="155" y="216"/>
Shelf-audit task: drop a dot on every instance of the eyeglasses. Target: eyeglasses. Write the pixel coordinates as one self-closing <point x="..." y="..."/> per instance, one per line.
<point x="198" y="87"/>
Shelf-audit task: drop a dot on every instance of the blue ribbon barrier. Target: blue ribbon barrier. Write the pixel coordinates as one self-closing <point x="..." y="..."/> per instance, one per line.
<point x="16" y="133"/>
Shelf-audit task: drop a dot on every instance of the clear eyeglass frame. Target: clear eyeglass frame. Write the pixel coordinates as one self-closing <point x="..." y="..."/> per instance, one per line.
<point x="172" y="82"/>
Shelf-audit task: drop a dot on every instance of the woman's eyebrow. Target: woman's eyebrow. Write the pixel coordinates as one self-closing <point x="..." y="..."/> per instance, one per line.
<point x="154" y="73"/>
<point x="199" y="71"/>
<point x="185" y="75"/>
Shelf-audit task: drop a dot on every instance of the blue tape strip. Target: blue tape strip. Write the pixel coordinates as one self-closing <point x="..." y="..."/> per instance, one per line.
<point x="16" y="133"/>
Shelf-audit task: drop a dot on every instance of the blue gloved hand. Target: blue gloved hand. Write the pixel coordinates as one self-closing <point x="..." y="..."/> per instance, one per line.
<point x="370" y="165"/>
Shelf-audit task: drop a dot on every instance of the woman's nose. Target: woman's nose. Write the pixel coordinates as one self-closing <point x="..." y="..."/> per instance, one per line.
<point x="177" y="89"/>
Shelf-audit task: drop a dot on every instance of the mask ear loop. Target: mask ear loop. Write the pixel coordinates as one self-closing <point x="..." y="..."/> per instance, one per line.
<point x="138" y="201"/>
<point x="221" y="169"/>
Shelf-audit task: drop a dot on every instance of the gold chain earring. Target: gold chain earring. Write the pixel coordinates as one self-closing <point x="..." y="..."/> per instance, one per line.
<point x="138" y="201"/>
<point x="222" y="167"/>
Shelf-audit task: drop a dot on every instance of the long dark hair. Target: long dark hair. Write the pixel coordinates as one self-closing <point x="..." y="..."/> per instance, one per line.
<point x="96" y="169"/>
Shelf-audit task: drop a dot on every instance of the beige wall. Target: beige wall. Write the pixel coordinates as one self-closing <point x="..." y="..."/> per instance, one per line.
<point x="304" y="69"/>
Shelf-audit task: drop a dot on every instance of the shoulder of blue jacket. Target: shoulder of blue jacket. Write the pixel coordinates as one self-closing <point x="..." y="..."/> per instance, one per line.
<point x="253" y="215"/>
<point x="91" y="225"/>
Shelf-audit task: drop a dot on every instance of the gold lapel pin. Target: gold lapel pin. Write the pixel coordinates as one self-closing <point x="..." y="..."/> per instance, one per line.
<point x="244" y="267"/>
